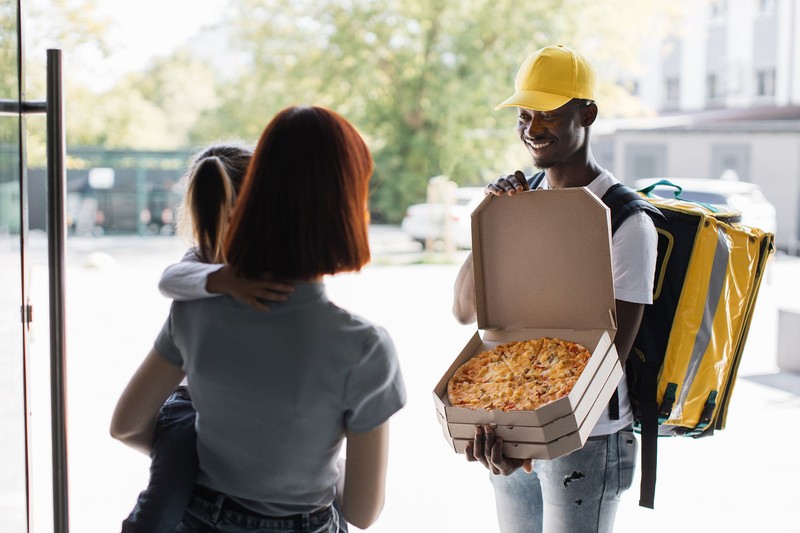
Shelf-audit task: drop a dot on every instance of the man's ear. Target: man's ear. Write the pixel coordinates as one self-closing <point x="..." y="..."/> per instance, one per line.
<point x="588" y="114"/>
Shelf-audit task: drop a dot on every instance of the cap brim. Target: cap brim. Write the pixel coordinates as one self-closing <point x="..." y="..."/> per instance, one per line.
<point x="535" y="100"/>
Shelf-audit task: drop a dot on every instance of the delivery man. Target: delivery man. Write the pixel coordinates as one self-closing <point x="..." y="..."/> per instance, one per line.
<point x="579" y="492"/>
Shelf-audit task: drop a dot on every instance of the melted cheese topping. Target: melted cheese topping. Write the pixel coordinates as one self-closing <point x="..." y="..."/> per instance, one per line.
<point x="523" y="375"/>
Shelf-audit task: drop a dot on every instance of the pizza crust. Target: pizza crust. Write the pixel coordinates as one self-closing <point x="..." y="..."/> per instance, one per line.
<point x="518" y="376"/>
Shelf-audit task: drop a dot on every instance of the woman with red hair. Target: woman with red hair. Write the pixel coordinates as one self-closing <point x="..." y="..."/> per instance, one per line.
<point x="278" y="393"/>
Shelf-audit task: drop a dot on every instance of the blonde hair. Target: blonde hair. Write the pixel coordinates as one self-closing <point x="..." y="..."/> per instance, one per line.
<point x="212" y="185"/>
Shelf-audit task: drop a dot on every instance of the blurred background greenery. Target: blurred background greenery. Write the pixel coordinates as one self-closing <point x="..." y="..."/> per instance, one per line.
<point x="419" y="78"/>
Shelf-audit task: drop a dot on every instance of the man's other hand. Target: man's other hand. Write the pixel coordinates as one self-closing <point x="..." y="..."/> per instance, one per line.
<point x="487" y="449"/>
<point x="509" y="184"/>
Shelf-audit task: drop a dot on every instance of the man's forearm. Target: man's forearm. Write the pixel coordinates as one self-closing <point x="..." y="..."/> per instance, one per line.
<point x="629" y="317"/>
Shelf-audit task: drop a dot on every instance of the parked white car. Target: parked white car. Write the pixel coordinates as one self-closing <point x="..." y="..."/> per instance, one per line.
<point x="432" y="222"/>
<point x="745" y="197"/>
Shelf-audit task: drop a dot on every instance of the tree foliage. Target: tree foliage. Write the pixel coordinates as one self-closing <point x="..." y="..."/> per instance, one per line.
<point x="419" y="78"/>
<point x="73" y="26"/>
<point x="157" y="108"/>
<point x="9" y="87"/>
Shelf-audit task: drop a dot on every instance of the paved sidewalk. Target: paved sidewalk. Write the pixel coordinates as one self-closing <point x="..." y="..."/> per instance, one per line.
<point x="740" y="480"/>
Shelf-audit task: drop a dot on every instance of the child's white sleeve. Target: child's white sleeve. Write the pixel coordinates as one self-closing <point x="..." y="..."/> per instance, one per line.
<point x="187" y="280"/>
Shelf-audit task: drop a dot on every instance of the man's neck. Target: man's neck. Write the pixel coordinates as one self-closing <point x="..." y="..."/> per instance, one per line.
<point x="564" y="176"/>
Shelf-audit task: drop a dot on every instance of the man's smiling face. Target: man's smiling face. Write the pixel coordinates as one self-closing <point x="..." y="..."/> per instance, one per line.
<point x="552" y="137"/>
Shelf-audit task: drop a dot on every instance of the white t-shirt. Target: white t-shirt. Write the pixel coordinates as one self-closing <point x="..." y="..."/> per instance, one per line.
<point x="634" y="249"/>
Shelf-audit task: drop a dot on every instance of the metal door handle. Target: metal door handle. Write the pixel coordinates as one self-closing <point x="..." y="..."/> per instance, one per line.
<point x="56" y="232"/>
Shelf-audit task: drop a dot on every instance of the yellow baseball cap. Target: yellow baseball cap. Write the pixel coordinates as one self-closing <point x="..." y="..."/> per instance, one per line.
<point x="550" y="78"/>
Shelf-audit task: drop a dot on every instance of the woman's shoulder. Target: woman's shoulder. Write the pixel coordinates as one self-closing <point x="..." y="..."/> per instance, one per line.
<point x="360" y="328"/>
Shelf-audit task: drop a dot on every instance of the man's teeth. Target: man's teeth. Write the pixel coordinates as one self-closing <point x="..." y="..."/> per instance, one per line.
<point x="541" y="144"/>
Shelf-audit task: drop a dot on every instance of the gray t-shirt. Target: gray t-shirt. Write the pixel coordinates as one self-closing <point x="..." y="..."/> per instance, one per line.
<point x="275" y="392"/>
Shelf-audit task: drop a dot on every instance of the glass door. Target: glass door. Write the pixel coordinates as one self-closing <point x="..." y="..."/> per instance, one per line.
<point x="14" y="465"/>
<point x="33" y="466"/>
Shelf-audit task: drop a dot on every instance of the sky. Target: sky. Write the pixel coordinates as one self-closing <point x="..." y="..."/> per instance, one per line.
<point x="145" y="28"/>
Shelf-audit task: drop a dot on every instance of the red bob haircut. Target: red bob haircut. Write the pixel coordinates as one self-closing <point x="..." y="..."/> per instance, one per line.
<point x="302" y="211"/>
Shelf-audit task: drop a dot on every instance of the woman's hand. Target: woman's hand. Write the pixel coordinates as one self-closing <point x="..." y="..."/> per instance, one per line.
<point x="487" y="449"/>
<point x="253" y="292"/>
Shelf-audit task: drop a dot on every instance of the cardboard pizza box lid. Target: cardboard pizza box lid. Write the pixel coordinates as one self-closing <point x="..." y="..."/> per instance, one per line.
<point x="543" y="260"/>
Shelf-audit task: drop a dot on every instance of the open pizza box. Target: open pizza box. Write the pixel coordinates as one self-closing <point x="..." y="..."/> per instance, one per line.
<point x="520" y="447"/>
<point x="542" y="269"/>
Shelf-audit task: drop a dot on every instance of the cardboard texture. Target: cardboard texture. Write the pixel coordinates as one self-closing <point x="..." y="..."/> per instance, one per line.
<point x="543" y="260"/>
<point x="542" y="269"/>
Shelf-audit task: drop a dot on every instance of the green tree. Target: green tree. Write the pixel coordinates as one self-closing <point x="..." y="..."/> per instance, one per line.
<point x="9" y="87"/>
<point x="77" y="28"/>
<point x="420" y="78"/>
<point x="156" y="109"/>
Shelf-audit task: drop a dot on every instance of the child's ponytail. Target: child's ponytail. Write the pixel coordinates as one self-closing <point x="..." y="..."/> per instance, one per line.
<point x="209" y="200"/>
<point x="212" y="184"/>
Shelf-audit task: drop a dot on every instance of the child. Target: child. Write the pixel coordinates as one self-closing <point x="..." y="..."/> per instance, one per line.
<point x="213" y="182"/>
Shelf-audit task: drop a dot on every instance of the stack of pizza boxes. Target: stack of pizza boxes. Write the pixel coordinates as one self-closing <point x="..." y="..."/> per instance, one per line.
<point x="542" y="269"/>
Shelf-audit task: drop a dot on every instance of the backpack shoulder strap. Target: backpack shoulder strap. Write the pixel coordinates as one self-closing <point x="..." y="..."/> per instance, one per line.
<point x="536" y="180"/>
<point x="624" y="201"/>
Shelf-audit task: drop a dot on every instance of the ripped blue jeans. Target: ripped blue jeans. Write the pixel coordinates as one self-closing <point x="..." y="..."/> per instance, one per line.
<point x="576" y="493"/>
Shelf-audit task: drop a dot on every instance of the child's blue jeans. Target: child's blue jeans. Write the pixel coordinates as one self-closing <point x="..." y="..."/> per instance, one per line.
<point x="173" y="470"/>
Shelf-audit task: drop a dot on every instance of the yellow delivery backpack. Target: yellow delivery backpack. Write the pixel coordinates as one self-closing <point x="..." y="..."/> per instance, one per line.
<point x="683" y="364"/>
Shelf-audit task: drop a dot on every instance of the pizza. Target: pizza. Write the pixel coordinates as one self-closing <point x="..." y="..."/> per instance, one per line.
<point x="521" y="375"/>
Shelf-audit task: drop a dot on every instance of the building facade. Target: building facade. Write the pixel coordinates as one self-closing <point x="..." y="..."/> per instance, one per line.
<point x="725" y="90"/>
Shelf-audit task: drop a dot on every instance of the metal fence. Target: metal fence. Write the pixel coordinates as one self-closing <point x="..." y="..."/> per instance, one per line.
<point x="139" y="192"/>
